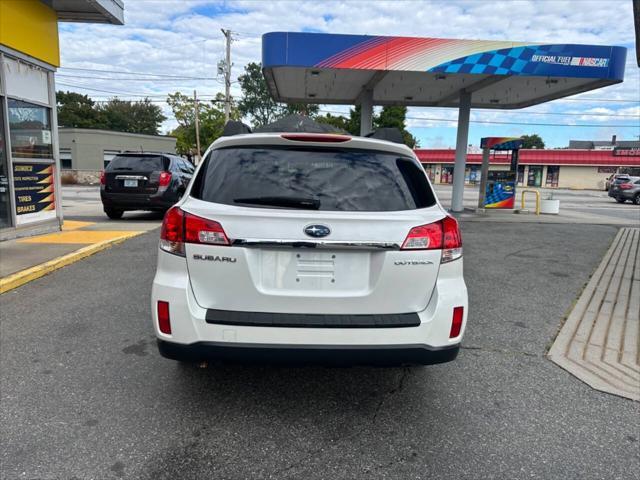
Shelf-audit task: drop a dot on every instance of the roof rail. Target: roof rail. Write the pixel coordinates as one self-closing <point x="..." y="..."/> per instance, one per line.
<point x="390" y="134"/>
<point x="147" y="152"/>
<point x="234" y="127"/>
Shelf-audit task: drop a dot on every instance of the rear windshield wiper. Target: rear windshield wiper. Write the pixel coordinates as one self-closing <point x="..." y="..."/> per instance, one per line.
<point x="292" y="202"/>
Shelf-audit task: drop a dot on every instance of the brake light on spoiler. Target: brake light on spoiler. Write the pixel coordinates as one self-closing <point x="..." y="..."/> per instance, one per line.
<point x="179" y="227"/>
<point x="441" y="235"/>
<point x="316" y="137"/>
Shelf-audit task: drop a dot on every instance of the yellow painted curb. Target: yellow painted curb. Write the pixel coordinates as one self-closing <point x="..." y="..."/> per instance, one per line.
<point x="25" y="276"/>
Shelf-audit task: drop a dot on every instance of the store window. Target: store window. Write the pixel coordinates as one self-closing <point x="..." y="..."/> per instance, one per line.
<point x="65" y="159"/>
<point x="29" y="130"/>
<point x="430" y="169"/>
<point x="553" y="175"/>
<point x="5" y="205"/>
<point x="534" y="178"/>
<point x="472" y="175"/>
<point x="447" y="175"/>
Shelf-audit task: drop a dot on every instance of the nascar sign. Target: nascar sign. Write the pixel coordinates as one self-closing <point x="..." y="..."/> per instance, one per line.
<point x="442" y="55"/>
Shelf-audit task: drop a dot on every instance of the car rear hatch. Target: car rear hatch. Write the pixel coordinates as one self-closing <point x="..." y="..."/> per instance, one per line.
<point x="312" y="231"/>
<point x="135" y="174"/>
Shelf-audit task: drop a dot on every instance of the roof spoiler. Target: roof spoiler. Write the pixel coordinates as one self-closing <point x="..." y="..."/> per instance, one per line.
<point x="234" y="127"/>
<point x="390" y="134"/>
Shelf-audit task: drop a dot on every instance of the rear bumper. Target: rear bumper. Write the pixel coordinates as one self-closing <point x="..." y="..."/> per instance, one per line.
<point x="627" y="194"/>
<point x="139" y="201"/>
<point x="372" y="355"/>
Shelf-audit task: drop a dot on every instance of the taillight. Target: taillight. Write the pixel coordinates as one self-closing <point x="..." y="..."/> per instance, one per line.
<point x="164" y="320"/>
<point x="625" y="186"/>
<point x="165" y="179"/>
<point x="172" y="232"/>
<point x="456" y="322"/>
<point x="441" y="235"/>
<point x="424" y="237"/>
<point x="103" y="178"/>
<point x="316" y="137"/>
<point x="181" y="227"/>
<point x="452" y="248"/>
<point x="201" y="230"/>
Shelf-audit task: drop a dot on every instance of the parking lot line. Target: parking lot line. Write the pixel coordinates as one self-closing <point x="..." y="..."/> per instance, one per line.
<point x="80" y="236"/>
<point x="24" y="276"/>
<point x="75" y="224"/>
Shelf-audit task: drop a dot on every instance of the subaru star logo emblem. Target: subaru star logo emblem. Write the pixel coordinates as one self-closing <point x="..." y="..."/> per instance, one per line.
<point x="317" y="231"/>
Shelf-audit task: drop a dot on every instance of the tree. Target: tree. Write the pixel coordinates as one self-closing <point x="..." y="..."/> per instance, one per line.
<point x="532" y="141"/>
<point x="256" y="102"/>
<point x="395" y="116"/>
<point x="211" y="119"/>
<point x="308" y="109"/>
<point x="337" y="121"/>
<point x="133" y="117"/>
<point x="78" y="111"/>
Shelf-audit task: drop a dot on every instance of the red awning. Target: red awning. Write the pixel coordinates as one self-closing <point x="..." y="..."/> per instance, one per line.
<point x="536" y="157"/>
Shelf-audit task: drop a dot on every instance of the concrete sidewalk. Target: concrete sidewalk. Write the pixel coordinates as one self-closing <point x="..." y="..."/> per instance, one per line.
<point x="24" y="260"/>
<point x="599" y="341"/>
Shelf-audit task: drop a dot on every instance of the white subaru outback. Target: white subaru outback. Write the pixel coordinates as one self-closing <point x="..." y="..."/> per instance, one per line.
<point x="309" y="248"/>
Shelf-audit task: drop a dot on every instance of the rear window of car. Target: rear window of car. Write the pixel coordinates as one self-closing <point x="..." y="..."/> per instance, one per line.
<point x="145" y="163"/>
<point x="322" y="179"/>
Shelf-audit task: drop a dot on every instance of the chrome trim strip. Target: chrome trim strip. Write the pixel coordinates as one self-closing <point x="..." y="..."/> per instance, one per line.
<point x="131" y="177"/>
<point x="308" y="243"/>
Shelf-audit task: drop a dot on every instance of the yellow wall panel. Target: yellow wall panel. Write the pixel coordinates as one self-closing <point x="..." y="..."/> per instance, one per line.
<point x="30" y="27"/>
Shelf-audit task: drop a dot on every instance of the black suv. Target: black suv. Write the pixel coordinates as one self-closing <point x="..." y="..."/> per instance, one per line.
<point x="143" y="181"/>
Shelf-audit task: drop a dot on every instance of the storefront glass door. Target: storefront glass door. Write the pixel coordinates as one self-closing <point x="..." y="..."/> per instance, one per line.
<point x="553" y="174"/>
<point x="534" y="178"/>
<point x="5" y="205"/>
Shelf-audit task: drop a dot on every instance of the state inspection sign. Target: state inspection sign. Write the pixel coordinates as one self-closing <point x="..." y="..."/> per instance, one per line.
<point x="34" y="192"/>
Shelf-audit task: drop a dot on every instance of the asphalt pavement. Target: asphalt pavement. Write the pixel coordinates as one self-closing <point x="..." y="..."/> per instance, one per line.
<point x="84" y="393"/>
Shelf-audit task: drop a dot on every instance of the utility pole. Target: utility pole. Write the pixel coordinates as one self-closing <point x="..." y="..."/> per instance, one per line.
<point x="227" y="75"/>
<point x="195" y="103"/>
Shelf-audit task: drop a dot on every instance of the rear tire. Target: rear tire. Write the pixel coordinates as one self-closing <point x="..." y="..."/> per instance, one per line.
<point x="636" y="199"/>
<point x="113" y="213"/>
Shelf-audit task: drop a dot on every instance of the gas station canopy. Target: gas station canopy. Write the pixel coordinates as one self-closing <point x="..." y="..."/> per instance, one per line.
<point x="432" y="72"/>
<point x="330" y="68"/>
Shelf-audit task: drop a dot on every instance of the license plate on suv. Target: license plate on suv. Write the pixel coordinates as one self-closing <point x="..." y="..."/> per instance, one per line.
<point x="131" y="183"/>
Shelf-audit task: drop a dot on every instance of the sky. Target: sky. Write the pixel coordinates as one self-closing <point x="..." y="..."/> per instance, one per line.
<point x="183" y="38"/>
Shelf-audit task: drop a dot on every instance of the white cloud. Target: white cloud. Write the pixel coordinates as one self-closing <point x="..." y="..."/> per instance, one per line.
<point x="177" y="37"/>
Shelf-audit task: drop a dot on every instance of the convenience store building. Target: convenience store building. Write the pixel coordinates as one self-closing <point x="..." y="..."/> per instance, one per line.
<point x="29" y="149"/>
<point x="563" y="168"/>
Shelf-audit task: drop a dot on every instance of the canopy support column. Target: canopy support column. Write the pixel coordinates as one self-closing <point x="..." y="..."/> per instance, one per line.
<point x="366" y="112"/>
<point x="461" y="152"/>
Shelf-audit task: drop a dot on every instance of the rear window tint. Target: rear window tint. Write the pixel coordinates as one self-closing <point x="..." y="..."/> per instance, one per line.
<point x="328" y="179"/>
<point x="147" y="163"/>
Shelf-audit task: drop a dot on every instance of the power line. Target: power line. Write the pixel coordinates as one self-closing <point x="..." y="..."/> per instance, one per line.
<point x="172" y="79"/>
<point x="125" y="72"/>
<point x="431" y="119"/>
<point x="126" y="94"/>
<point x="598" y="100"/>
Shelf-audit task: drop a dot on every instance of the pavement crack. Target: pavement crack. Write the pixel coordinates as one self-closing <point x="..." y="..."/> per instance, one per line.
<point x="502" y="351"/>
<point x="406" y="371"/>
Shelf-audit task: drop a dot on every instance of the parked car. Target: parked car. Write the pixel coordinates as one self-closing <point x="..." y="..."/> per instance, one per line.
<point x="143" y="181"/>
<point x="609" y="181"/>
<point x="309" y="248"/>
<point x="628" y="189"/>
<point x="613" y="188"/>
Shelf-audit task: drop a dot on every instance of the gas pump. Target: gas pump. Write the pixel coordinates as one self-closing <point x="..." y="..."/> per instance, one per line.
<point x="498" y="188"/>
